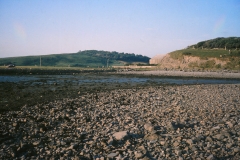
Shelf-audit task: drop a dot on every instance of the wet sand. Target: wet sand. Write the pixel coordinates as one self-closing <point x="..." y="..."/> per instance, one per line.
<point x="19" y="90"/>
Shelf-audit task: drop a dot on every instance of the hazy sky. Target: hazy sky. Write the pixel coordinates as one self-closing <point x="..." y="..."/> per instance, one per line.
<point x="147" y="27"/>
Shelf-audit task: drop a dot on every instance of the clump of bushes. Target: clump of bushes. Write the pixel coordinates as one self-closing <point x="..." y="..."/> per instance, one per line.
<point x="176" y="55"/>
<point x="234" y="63"/>
<point x="208" y="64"/>
<point x="193" y="64"/>
<point x="218" y="66"/>
<point x="187" y="53"/>
<point x="204" y="58"/>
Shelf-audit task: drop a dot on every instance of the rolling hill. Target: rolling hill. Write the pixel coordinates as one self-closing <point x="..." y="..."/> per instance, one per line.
<point x="88" y="58"/>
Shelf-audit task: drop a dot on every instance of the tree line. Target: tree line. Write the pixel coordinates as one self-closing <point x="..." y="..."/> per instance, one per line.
<point x="126" y="57"/>
<point x="221" y="42"/>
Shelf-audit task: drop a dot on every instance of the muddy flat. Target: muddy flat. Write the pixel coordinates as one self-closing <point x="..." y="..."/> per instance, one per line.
<point x="20" y="90"/>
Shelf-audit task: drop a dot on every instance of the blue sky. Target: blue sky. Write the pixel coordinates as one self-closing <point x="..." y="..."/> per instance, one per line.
<point x="146" y="27"/>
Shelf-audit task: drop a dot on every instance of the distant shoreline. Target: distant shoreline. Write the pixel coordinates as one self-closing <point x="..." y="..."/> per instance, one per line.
<point x="229" y="75"/>
<point x="75" y="71"/>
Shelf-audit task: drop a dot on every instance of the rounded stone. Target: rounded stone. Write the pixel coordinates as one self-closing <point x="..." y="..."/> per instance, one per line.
<point x="120" y="135"/>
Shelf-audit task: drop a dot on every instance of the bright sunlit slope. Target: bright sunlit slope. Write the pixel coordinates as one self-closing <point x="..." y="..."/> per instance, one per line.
<point x="218" y="53"/>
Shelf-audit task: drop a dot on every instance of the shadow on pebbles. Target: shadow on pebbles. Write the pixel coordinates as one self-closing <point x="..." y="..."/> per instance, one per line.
<point x="165" y="122"/>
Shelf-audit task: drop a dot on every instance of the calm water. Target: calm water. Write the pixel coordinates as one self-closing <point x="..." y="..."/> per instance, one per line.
<point x="82" y="79"/>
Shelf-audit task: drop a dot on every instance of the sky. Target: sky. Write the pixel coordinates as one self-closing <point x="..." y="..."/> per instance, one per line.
<point x="146" y="27"/>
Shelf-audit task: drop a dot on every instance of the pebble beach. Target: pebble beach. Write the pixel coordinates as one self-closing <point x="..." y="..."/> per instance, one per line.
<point x="161" y="122"/>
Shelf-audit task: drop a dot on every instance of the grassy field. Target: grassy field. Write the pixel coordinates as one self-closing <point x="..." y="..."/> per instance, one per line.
<point x="49" y="70"/>
<point x="74" y="60"/>
<point x="204" y="53"/>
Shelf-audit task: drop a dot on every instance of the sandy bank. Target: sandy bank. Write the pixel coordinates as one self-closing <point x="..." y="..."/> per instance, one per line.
<point x="187" y="74"/>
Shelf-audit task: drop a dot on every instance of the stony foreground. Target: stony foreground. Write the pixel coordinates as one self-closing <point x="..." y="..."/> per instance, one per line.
<point x="165" y="122"/>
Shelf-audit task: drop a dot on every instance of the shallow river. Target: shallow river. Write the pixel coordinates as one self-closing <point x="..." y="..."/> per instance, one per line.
<point x="83" y="79"/>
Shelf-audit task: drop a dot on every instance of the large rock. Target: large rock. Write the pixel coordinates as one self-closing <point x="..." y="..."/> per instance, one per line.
<point x="151" y="137"/>
<point x="112" y="155"/>
<point x="120" y="135"/>
<point x="149" y="127"/>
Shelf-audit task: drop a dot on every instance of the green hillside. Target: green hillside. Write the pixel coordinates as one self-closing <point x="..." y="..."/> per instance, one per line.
<point x="205" y="53"/>
<point x="231" y="57"/>
<point x="88" y="58"/>
<point x="224" y="49"/>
